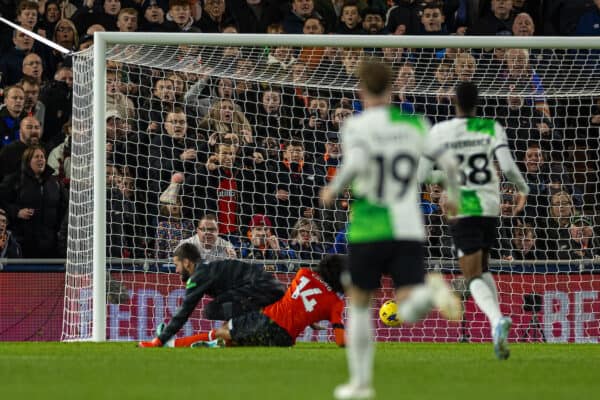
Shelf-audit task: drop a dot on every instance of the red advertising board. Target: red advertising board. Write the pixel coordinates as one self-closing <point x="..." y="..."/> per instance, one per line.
<point x="566" y="309"/>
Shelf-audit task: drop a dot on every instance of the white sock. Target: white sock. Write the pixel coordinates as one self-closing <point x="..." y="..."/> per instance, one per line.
<point x="489" y="281"/>
<point x="360" y="349"/>
<point x="485" y="299"/>
<point x="417" y="305"/>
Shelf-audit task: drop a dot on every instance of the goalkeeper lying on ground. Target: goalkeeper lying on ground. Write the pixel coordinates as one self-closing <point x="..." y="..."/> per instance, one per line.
<point x="312" y="297"/>
<point x="236" y="287"/>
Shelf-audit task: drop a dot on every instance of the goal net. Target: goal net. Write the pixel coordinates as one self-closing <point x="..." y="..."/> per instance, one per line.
<point x="229" y="145"/>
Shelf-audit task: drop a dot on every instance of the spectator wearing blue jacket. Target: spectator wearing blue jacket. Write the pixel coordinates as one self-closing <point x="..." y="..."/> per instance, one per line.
<point x="589" y="23"/>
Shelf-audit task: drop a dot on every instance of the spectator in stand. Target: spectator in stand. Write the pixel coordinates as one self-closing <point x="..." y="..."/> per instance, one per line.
<point x="9" y="247"/>
<point x="225" y="188"/>
<point x="60" y="157"/>
<point x="126" y="222"/>
<point x="179" y="18"/>
<point x="438" y="235"/>
<point x="255" y="16"/>
<point x="312" y="56"/>
<point x="197" y="103"/>
<point x="314" y="134"/>
<point x="526" y="124"/>
<point x="65" y="34"/>
<point x="50" y="17"/>
<point x="224" y="117"/>
<point x="174" y="150"/>
<point x="127" y="20"/>
<point x="507" y="221"/>
<point x="556" y="232"/>
<point x="523" y="80"/>
<point x="350" y="19"/>
<point x="281" y="58"/>
<point x="293" y="22"/>
<point x="273" y="118"/>
<point x="584" y="243"/>
<point x="523" y="25"/>
<point x="215" y="17"/>
<point x="27" y="14"/>
<point x="396" y="57"/>
<point x="33" y="67"/>
<point x="440" y="107"/>
<point x="333" y="218"/>
<point x="262" y="244"/>
<point x="589" y="23"/>
<point x="179" y="86"/>
<point x="292" y="189"/>
<point x="403" y="18"/>
<point x="373" y="21"/>
<point x="33" y="106"/>
<point x="351" y="58"/>
<point x="11" y="155"/>
<point x="35" y="203"/>
<point x="11" y="114"/>
<point x="153" y="17"/>
<point x="340" y="113"/>
<point x="172" y="227"/>
<point x="207" y="240"/>
<point x="497" y="21"/>
<point x="536" y="177"/>
<point x="161" y="101"/>
<point x="403" y="83"/>
<point x="305" y="240"/>
<point x="533" y="8"/>
<point x="465" y="67"/>
<point x="432" y="23"/>
<point x="57" y="96"/>
<point x="524" y="243"/>
<point x="89" y="14"/>
<point x="115" y="99"/>
<point x="11" y="61"/>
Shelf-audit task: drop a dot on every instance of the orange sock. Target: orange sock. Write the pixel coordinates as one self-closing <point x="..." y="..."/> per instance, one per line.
<point x="188" y="340"/>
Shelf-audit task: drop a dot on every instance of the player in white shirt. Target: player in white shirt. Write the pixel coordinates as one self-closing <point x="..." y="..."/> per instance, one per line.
<point x="382" y="147"/>
<point x="475" y="142"/>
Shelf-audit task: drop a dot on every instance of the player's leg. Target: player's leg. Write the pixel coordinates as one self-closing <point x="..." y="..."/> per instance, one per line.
<point x="360" y="348"/>
<point x="486" y="275"/>
<point x="416" y="295"/>
<point x="365" y="273"/>
<point x="472" y="237"/>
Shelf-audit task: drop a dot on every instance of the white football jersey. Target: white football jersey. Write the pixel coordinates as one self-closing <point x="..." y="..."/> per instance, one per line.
<point x="473" y="142"/>
<point x="388" y="145"/>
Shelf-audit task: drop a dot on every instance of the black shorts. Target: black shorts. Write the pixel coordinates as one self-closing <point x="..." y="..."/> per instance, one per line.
<point x="256" y="329"/>
<point x="402" y="260"/>
<point x="472" y="234"/>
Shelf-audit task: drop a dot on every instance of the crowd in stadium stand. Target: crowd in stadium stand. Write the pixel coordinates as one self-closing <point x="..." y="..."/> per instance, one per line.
<point x="235" y="166"/>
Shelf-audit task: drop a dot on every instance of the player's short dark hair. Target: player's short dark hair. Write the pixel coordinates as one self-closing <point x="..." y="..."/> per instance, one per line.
<point x="187" y="251"/>
<point x="375" y="76"/>
<point x="330" y="268"/>
<point x="467" y="96"/>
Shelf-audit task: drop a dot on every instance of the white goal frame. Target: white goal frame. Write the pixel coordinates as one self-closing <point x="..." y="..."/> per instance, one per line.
<point x="103" y="39"/>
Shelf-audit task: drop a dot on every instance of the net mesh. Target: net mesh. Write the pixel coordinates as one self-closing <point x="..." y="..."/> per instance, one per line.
<point x="248" y="135"/>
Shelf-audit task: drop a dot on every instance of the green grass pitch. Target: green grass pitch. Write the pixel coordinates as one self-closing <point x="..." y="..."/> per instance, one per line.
<point x="308" y="371"/>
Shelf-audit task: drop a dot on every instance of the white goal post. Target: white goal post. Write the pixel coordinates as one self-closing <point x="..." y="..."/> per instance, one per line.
<point x="89" y="118"/>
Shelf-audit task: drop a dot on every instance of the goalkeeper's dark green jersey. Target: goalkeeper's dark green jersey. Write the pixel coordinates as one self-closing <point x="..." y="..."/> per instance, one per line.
<point x="247" y="285"/>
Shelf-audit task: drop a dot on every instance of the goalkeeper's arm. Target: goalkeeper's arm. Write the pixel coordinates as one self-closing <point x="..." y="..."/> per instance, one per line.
<point x="192" y="296"/>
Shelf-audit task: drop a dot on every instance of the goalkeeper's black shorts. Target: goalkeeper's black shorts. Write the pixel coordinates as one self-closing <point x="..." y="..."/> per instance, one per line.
<point x="256" y="329"/>
<point x="403" y="260"/>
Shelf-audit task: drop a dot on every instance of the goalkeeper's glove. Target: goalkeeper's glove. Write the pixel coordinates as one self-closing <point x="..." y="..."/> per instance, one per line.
<point x="154" y="343"/>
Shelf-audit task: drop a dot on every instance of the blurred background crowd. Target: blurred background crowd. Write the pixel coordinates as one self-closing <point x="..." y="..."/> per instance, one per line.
<point x="232" y="161"/>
